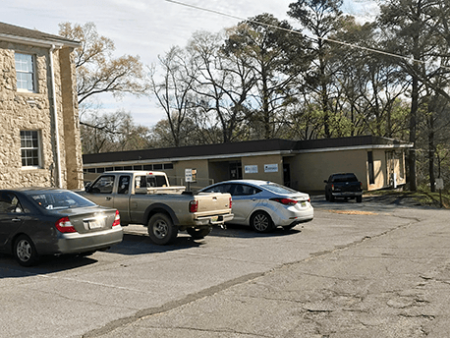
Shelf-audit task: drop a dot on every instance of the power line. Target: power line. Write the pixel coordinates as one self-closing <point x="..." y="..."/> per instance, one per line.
<point x="292" y="31"/>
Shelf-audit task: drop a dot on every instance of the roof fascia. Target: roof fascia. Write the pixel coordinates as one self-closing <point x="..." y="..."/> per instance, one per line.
<point x="188" y="158"/>
<point x="37" y="42"/>
<point x="363" y="147"/>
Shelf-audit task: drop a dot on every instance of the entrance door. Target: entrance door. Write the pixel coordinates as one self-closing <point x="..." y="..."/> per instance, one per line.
<point x="235" y="170"/>
<point x="287" y="174"/>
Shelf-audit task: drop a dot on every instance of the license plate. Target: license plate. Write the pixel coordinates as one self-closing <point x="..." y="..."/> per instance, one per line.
<point x="214" y="218"/>
<point x="96" y="224"/>
<point x="303" y="204"/>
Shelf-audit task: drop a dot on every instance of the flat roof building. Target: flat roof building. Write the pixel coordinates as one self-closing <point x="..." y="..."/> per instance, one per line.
<point x="301" y="165"/>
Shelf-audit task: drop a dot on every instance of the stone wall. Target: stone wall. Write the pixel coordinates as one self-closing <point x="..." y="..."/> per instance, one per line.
<point x="33" y="111"/>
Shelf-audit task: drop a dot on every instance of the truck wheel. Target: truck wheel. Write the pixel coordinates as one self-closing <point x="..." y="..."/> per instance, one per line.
<point x="261" y="222"/>
<point x="198" y="233"/>
<point x="161" y="229"/>
<point x="358" y="199"/>
<point x="331" y="198"/>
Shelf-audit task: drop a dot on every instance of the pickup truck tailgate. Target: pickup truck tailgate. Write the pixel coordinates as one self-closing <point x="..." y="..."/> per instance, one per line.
<point x="213" y="203"/>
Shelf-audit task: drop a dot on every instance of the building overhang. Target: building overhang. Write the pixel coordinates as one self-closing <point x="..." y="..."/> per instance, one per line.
<point x="361" y="147"/>
<point x="187" y="158"/>
<point x="38" y="42"/>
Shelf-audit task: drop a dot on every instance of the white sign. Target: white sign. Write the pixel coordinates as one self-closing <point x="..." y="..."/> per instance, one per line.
<point x="270" y="168"/>
<point x="439" y="184"/>
<point x="188" y="175"/>
<point x="251" y="169"/>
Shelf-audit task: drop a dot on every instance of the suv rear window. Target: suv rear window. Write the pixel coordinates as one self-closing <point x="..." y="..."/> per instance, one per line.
<point x="345" y="178"/>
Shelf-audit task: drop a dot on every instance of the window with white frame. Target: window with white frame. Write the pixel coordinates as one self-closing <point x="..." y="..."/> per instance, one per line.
<point x="30" y="148"/>
<point x="25" y="70"/>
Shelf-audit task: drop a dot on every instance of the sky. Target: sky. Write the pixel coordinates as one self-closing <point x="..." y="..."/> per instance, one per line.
<point x="148" y="28"/>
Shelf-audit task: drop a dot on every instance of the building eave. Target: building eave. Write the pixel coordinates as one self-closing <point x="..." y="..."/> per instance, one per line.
<point x="186" y="158"/>
<point x="38" y="42"/>
<point x="361" y="147"/>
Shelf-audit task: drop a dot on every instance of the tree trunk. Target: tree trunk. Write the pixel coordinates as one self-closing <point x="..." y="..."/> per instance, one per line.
<point x="412" y="134"/>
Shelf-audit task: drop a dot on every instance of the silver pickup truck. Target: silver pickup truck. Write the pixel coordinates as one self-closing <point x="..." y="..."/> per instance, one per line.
<point x="147" y="198"/>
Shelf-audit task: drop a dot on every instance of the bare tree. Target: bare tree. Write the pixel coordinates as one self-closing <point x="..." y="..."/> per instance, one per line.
<point x="174" y="91"/>
<point x="98" y="71"/>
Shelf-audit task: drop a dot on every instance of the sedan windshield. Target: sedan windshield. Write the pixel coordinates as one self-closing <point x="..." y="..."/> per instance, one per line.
<point x="279" y="189"/>
<point x="59" y="200"/>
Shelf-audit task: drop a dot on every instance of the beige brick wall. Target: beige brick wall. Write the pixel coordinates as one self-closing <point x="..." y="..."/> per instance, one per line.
<point x="32" y="111"/>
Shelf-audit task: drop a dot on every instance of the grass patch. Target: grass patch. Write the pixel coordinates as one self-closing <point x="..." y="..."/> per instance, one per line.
<point x="421" y="197"/>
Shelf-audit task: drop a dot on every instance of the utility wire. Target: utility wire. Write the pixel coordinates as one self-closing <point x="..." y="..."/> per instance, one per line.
<point x="296" y="32"/>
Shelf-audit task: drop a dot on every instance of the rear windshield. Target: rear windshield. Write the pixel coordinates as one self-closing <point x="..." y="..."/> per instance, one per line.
<point x="59" y="200"/>
<point x="279" y="189"/>
<point x="150" y="181"/>
<point x="345" y="178"/>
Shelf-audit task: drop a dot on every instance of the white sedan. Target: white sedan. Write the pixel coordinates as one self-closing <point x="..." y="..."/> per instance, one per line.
<point x="265" y="205"/>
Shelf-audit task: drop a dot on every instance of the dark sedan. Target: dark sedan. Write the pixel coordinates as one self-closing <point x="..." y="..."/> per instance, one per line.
<point x="44" y="221"/>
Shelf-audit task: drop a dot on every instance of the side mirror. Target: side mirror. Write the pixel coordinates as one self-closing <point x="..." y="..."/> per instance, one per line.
<point x="325" y="181"/>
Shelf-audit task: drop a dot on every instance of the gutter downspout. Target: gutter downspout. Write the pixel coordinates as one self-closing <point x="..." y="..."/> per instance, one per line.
<point x="55" y="118"/>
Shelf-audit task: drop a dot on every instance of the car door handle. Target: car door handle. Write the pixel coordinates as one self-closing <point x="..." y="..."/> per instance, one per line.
<point x="16" y="220"/>
<point x="108" y="198"/>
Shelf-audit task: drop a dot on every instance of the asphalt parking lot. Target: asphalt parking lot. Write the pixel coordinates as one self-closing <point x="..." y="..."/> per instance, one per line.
<point x="366" y="269"/>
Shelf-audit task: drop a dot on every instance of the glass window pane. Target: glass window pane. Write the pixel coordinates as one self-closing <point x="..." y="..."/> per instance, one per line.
<point x="25" y="72"/>
<point x="29" y="143"/>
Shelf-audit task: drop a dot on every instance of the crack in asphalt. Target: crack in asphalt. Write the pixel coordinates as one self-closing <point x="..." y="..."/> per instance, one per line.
<point x="111" y="326"/>
<point x="115" y="324"/>
<point x="184" y="328"/>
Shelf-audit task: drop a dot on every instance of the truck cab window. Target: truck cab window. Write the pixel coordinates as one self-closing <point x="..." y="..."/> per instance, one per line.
<point x="104" y="185"/>
<point x="124" y="185"/>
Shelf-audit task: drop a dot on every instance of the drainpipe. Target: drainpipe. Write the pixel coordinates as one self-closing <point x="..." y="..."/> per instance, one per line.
<point x="55" y="118"/>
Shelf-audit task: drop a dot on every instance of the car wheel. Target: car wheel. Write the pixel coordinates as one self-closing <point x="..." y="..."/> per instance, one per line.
<point x="358" y="199"/>
<point x="261" y="222"/>
<point x="327" y="197"/>
<point x="24" y="251"/>
<point x="331" y="198"/>
<point x="161" y="229"/>
<point x="198" y="233"/>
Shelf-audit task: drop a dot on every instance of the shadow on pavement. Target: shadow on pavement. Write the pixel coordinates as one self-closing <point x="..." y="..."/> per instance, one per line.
<point x="132" y="244"/>
<point x="242" y="231"/>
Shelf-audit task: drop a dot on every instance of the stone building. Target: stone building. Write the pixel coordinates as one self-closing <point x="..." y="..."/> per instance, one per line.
<point x="39" y="129"/>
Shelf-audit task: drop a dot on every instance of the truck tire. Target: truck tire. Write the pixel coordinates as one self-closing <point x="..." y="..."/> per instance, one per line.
<point x="261" y="222"/>
<point x="358" y="199"/>
<point x="161" y="229"/>
<point x="198" y="233"/>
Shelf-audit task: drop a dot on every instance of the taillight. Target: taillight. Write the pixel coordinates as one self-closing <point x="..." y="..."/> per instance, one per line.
<point x="332" y="187"/>
<point x="63" y="225"/>
<point x="116" y="219"/>
<point x="231" y="202"/>
<point x="285" y="201"/>
<point x="193" y="206"/>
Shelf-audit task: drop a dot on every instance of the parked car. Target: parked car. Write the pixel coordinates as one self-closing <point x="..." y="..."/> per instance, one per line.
<point x="343" y="185"/>
<point x="265" y="205"/>
<point x="47" y="221"/>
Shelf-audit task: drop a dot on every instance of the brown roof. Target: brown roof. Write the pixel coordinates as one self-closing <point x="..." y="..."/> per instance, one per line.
<point x="16" y="31"/>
